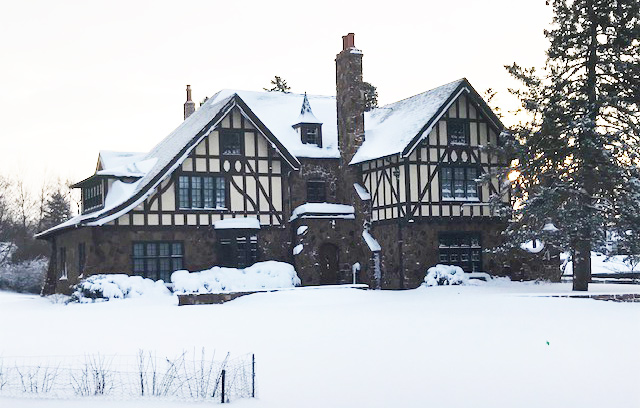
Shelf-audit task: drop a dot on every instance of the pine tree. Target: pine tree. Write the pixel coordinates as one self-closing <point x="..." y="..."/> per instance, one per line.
<point x="57" y="209"/>
<point x="370" y="97"/>
<point x="278" y="85"/>
<point x="578" y="155"/>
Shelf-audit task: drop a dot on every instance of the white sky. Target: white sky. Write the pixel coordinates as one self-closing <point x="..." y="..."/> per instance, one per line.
<point x="81" y="76"/>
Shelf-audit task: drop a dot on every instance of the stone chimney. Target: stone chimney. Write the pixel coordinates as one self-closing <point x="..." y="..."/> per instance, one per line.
<point x="349" y="99"/>
<point x="189" y="105"/>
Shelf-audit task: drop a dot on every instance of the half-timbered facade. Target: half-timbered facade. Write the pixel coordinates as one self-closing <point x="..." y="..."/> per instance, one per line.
<point x="375" y="197"/>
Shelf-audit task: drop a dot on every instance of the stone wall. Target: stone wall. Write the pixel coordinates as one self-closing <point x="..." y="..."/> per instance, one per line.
<point x="109" y="248"/>
<point x="418" y="248"/>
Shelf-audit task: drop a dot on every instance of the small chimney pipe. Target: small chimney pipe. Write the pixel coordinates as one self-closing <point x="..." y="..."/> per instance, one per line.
<point x="348" y="41"/>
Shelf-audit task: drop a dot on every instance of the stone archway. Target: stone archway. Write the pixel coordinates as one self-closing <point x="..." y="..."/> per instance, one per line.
<point x="329" y="263"/>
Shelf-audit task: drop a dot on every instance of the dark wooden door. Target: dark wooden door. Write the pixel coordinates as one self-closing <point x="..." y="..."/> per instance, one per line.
<point x="329" y="262"/>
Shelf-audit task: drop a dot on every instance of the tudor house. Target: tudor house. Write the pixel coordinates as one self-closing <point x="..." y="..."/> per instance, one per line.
<point x="376" y="197"/>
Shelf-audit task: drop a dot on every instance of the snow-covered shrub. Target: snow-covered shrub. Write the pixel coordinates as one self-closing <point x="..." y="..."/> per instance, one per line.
<point x="440" y="275"/>
<point x="116" y="286"/>
<point x="261" y="275"/>
<point x="24" y="276"/>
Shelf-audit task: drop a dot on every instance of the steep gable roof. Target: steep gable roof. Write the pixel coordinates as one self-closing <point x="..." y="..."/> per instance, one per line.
<point x="397" y="128"/>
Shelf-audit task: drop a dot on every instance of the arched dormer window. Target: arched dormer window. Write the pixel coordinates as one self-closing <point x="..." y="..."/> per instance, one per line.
<point x="308" y="126"/>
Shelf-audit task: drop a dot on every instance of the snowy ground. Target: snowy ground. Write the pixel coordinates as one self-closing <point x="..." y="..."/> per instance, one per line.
<point x="495" y="345"/>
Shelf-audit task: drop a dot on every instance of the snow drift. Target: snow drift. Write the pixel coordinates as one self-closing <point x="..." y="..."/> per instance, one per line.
<point x="116" y="286"/>
<point x="259" y="276"/>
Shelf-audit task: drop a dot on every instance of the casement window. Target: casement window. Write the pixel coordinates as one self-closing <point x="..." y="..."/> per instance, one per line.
<point x="458" y="183"/>
<point x="231" y="143"/>
<point x="462" y="249"/>
<point x="316" y="191"/>
<point x="92" y="197"/>
<point x="157" y="260"/>
<point x="311" y="134"/>
<point x="458" y="132"/>
<point x="82" y="256"/>
<point x="62" y="270"/>
<point x="237" y="248"/>
<point x="204" y="192"/>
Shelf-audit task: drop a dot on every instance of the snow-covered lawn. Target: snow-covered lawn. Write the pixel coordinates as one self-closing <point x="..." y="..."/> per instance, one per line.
<point x="495" y="345"/>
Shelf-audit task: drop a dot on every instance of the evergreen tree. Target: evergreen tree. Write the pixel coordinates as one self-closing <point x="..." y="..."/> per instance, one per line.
<point x="370" y="97"/>
<point x="57" y="209"/>
<point x="278" y="85"/>
<point x="578" y="155"/>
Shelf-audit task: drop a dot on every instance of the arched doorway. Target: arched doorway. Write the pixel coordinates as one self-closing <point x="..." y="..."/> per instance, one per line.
<point x="328" y="264"/>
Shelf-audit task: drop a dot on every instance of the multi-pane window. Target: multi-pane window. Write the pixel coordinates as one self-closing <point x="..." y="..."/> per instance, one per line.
<point x="231" y="143"/>
<point x="310" y="134"/>
<point x="157" y="260"/>
<point x="62" y="270"/>
<point x="458" y="182"/>
<point x="82" y="256"/>
<point x="461" y="249"/>
<point x="237" y="249"/>
<point x="458" y="132"/>
<point x="316" y="192"/>
<point x="92" y="196"/>
<point x="201" y="192"/>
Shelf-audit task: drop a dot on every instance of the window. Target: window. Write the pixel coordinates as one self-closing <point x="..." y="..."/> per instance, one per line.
<point x="458" y="183"/>
<point x="462" y="249"/>
<point x="311" y="134"/>
<point x="157" y="260"/>
<point x="237" y="249"/>
<point x="92" y="197"/>
<point x="458" y="132"/>
<point x="202" y="192"/>
<point x="316" y="192"/>
<point x="231" y="143"/>
<point x="62" y="271"/>
<point x="81" y="258"/>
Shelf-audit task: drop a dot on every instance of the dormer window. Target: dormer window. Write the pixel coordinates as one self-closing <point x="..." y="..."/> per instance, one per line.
<point x="458" y="132"/>
<point x="311" y="134"/>
<point x="92" y="196"/>
<point x="308" y="126"/>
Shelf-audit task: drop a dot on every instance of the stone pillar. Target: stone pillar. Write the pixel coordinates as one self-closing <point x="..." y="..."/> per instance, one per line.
<point x="189" y="105"/>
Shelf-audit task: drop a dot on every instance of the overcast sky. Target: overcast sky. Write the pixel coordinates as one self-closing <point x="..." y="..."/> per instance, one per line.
<point x="81" y="76"/>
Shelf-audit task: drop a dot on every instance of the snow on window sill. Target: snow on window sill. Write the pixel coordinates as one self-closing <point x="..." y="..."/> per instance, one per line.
<point x="463" y="199"/>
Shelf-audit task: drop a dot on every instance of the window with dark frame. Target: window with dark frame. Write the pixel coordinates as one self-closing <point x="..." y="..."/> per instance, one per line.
<point x="311" y="134"/>
<point x="62" y="271"/>
<point x="458" y="131"/>
<point x="92" y="197"/>
<point x="316" y="191"/>
<point x="230" y="143"/>
<point x="82" y="256"/>
<point x="462" y="249"/>
<point x="202" y="192"/>
<point x="157" y="260"/>
<point x="237" y="248"/>
<point x="458" y="182"/>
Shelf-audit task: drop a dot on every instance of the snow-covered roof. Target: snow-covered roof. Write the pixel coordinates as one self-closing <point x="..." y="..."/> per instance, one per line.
<point x="130" y="169"/>
<point x="323" y="210"/>
<point x="279" y="111"/>
<point x="390" y="128"/>
<point x="108" y="159"/>
<point x="306" y="113"/>
<point x="362" y="192"/>
<point x="237" y="223"/>
<point x="372" y="243"/>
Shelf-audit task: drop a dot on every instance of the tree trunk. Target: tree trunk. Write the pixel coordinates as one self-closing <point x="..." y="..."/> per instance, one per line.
<point x="582" y="266"/>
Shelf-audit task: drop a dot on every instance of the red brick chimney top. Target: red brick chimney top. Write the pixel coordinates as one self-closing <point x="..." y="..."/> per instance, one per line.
<point x="347" y="41"/>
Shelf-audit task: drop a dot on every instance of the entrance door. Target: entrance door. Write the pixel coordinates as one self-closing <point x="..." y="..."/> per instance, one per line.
<point x="329" y="263"/>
